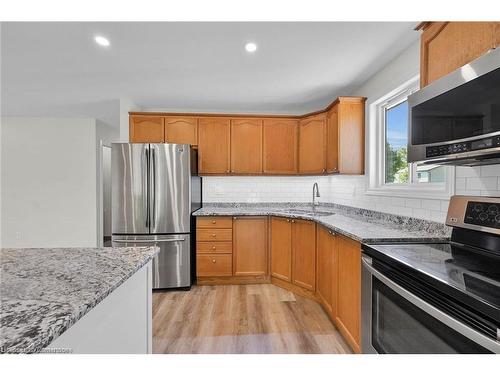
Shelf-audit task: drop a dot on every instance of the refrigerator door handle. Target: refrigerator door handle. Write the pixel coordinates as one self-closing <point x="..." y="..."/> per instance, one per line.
<point x="151" y="241"/>
<point x="153" y="152"/>
<point x="145" y="181"/>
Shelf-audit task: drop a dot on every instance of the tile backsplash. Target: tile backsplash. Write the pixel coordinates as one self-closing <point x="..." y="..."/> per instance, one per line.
<point x="347" y="190"/>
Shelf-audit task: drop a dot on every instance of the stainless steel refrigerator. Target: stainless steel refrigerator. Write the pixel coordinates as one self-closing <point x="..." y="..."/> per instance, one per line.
<point x="155" y="188"/>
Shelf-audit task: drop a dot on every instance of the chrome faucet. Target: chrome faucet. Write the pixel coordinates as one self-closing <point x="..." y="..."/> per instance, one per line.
<point x="315" y="194"/>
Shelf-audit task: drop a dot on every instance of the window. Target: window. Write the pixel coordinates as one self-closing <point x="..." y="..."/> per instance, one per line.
<point x="389" y="170"/>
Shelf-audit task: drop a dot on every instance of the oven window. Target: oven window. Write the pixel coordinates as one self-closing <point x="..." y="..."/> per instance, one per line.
<point x="472" y="109"/>
<point x="398" y="326"/>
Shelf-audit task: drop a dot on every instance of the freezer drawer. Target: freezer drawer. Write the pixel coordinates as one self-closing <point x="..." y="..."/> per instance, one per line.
<point x="172" y="265"/>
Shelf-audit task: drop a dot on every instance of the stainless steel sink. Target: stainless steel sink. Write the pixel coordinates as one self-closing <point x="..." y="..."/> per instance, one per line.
<point x="309" y="212"/>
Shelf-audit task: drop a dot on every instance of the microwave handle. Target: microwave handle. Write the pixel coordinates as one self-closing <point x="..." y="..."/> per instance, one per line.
<point x="454" y="324"/>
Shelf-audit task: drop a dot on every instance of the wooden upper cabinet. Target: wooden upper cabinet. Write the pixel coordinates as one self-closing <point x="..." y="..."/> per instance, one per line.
<point x="304" y="254"/>
<point x="281" y="248"/>
<point x="214" y="145"/>
<point x="332" y="140"/>
<point x="280" y="146"/>
<point x="348" y="309"/>
<point x="351" y="135"/>
<point x="146" y="129"/>
<point x="181" y="130"/>
<point x="246" y="146"/>
<point x="312" y="145"/>
<point x="326" y="280"/>
<point x="250" y="256"/>
<point x="446" y="46"/>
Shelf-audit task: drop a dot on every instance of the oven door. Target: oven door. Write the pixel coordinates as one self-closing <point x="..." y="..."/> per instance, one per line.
<point x="397" y="321"/>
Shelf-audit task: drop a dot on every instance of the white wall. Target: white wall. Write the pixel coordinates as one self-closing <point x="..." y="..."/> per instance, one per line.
<point x="350" y="190"/>
<point x="48" y="181"/>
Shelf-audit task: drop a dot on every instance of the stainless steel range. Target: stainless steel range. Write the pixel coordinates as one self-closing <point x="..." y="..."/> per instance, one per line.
<point x="437" y="297"/>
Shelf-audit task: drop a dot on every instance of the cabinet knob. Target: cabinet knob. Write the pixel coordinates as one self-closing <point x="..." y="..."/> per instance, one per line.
<point x="214" y="235"/>
<point x="288" y="220"/>
<point x="234" y="218"/>
<point x="330" y="231"/>
<point x="213" y="247"/>
<point x="293" y="221"/>
<point x="227" y="170"/>
<point x="213" y="221"/>
<point x="214" y="261"/>
<point x="324" y="170"/>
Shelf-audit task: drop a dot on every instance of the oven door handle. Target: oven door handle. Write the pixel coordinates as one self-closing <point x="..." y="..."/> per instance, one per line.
<point x="454" y="324"/>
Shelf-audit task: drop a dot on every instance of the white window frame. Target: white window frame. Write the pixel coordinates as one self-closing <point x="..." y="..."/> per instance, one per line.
<point x="376" y="153"/>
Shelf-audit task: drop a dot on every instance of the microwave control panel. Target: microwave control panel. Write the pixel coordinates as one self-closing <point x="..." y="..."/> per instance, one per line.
<point x="456" y="148"/>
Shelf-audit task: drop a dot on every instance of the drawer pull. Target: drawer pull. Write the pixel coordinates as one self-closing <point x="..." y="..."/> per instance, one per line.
<point x="214" y="235"/>
<point x="293" y="221"/>
<point x="287" y="220"/>
<point x="213" y="261"/>
<point x="213" y="221"/>
<point x="213" y="248"/>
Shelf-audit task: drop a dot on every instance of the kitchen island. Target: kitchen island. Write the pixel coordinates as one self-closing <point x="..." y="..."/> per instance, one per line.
<point x="76" y="300"/>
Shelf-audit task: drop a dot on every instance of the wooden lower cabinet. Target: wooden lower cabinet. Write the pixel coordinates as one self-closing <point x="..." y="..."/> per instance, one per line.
<point x="326" y="269"/>
<point x="348" y="309"/>
<point x="281" y="248"/>
<point x="214" y="265"/>
<point x="304" y="254"/>
<point x="250" y="255"/>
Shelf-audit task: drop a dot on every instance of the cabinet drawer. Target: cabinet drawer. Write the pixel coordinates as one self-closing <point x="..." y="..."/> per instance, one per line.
<point x="214" y="222"/>
<point x="214" y="235"/>
<point x="214" y="265"/>
<point x="214" y="247"/>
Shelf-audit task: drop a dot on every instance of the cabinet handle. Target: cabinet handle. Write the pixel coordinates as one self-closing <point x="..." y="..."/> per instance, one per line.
<point x="288" y="220"/>
<point x="293" y="221"/>
<point x="213" y="247"/>
<point x="227" y="170"/>
<point x="324" y="170"/>
<point x="214" y="261"/>
<point x="234" y="218"/>
<point x="214" y="235"/>
<point x="213" y="221"/>
<point x="330" y="231"/>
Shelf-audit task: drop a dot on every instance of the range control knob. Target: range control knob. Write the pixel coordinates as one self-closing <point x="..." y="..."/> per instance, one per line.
<point x="492" y="210"/>
<point x="478" y="207"/>
<point x="483" y="216"/>
<point x="497" y="218"/>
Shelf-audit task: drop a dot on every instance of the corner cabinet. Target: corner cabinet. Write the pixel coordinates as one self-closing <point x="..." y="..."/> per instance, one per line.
<point x="446" y="46"/>
<point x="326" y="269"/>
<point x="312" y="145"/>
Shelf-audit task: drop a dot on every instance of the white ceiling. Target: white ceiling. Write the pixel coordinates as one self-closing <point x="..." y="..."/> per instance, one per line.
<point x="56" y="69"/>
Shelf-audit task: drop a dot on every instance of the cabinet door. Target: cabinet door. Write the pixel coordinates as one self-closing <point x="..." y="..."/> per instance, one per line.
<point x="281" y="248"/>
<point x="213" y="145"/>
<point x="146" y="129"/>
<point x="446" y="46"/>
<point x="325" y="268"/>
<point x="312" y="144"/>
<point x="246" y="146"/>
<point x="250" y="256"/>
<point x="280" y="146"/>
<point x="304" y="254"/>
<point x="332" y="140"/>
<point x="181" y="130"/>
<point x="349" y="290"/>
<point x="351" y="130"/>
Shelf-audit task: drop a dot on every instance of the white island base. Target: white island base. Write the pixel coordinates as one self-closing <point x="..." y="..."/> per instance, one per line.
<point x="119" y="324"/>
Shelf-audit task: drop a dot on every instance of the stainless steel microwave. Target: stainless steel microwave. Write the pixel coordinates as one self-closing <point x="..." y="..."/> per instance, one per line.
<point x="456" y="119"/>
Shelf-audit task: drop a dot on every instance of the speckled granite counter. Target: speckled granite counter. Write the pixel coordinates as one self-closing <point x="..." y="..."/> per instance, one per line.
<point x="359" y="224"/>
<point x="43" y="292"/>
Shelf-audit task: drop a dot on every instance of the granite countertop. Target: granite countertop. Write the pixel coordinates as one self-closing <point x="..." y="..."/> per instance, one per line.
<point x="45" y="291"/>
<point x="359" y="224"/>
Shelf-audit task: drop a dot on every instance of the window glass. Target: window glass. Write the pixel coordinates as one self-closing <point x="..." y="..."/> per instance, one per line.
<point x="396" y="141"/>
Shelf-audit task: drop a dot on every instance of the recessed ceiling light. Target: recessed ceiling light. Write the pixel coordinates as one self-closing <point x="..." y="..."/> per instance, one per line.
<point x="102" y="41"/>
<point x="251" y="47"/>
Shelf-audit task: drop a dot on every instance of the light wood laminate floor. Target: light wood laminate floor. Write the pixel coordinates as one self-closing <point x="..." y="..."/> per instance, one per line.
<point x="259" y="318"/>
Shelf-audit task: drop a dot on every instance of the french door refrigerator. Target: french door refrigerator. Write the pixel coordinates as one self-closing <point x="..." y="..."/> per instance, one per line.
<point x="155" y="188"/>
